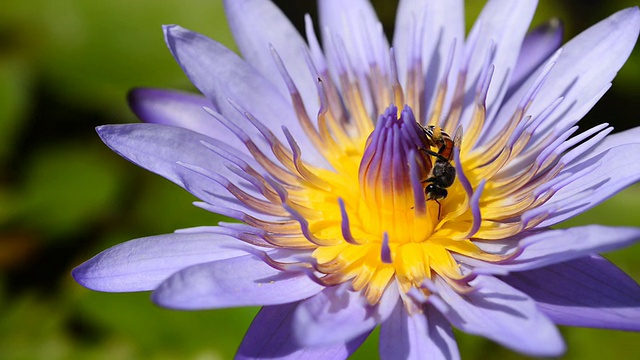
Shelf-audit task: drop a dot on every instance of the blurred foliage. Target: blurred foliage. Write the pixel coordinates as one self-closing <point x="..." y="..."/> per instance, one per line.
<point x="65" y="67"/>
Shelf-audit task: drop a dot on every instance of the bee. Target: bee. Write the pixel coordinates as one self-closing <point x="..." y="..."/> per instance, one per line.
<point x="443" y="173"/>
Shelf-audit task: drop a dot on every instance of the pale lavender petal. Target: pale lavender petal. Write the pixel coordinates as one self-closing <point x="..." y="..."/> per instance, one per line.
<point x="181" y="109"/>
<point x="588" y="63"/>
<point x="589" y="292"/>
<point x="337" y="315"/>
<point x="537" y="46"/>
<point x="257" y="23"/>
<point x="503" y="23"/>
<point x="159" y="148"/>
<point x="356" y="23"/>
<point x="170" y="107"/>
<point x="631" y="136"/>
<point x="142" y="264"/>
<point x="436" y="24"/>
<point x="240" y="281"/>
<point x="220" y="75"/>
<point x="503" y="314"/>
<point x="556" y="246"/>
<point x="610" y="172"/>
<point x="271" y="337"/>
<point x="424" y="335"/>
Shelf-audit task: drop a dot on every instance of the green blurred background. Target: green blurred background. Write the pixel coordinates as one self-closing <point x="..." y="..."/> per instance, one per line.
<point x="65" y="67"/>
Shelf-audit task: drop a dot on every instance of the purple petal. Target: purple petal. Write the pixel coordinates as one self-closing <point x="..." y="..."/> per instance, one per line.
<point x="425" y="335"/>
<point x="179" y="109"/>
<point x="503" y="23"/>
<point x="142" y="264"/>
<point x="169" y="107"/>
<point x="271" y="337"/>
<point x="609" y="172"/>
<point x="257" y="23"/>
<point x="437" y="25"/>
<point x="631" y="136"/>
<point x="589" y="291"/>
<point x="503" y="314"/>
<point x="587" y="65"/>
<point x="159" y="148"/>
<point x="356" y="24"/>
<point x="240" y="281"/>
<point x="537" y="46"/>
<point x="220" y="75"/>
<point x="337" y="315"/>
<point x="556" y="246"/>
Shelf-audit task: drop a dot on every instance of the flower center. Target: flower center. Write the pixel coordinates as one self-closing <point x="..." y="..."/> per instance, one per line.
<point x="372" y="221"/>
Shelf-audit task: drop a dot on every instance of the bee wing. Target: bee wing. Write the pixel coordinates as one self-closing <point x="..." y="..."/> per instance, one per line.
<point x="457" y="139"/>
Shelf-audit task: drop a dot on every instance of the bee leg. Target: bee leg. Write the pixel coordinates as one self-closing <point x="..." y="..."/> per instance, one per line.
<point x="436" y="155"/>
<point x="432" y="153"/>
<point x="429" y="180"/>
<point x="439" y="207"/>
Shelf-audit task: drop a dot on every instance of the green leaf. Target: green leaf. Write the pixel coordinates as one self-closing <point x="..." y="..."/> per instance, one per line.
<point x="14" y="97"/>
<point x="152" y="330"/>
<point x="67" y="187"/>
<point x="91" y="53"/>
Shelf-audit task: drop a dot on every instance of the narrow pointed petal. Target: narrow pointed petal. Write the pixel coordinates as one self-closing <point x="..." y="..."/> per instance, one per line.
<point x="220" y="75"/>
<point x="337" y="315"/>
<point x="271" y="337"/>
<point x="631" y="136"/>
<point x="220" y="284"/>
<point x="356" y="23"/>
<point x="588" y="63"/>
<point x="589" y="292"/>
<point x="496" y="17"/>
<point x="437" y="24"/>
<point x="556" y="246"/>
<point x="181" y="109"/>
<point x="610" y="171"/>
<point x="169" y="107"/>
<point x="537" y="46"/>
<point x="159" y="148"/>
<point x="142" y="264"/>
<point x="426" y="335"/>
<point x="503" y="314"/>
<point x="255" y="25"/>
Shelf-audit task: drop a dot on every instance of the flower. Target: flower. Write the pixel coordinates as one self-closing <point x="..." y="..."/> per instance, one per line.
<point x="323" y="155"/>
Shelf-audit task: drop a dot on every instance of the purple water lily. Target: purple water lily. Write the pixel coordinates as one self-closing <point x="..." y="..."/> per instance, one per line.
<point x="323" y="153"/>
